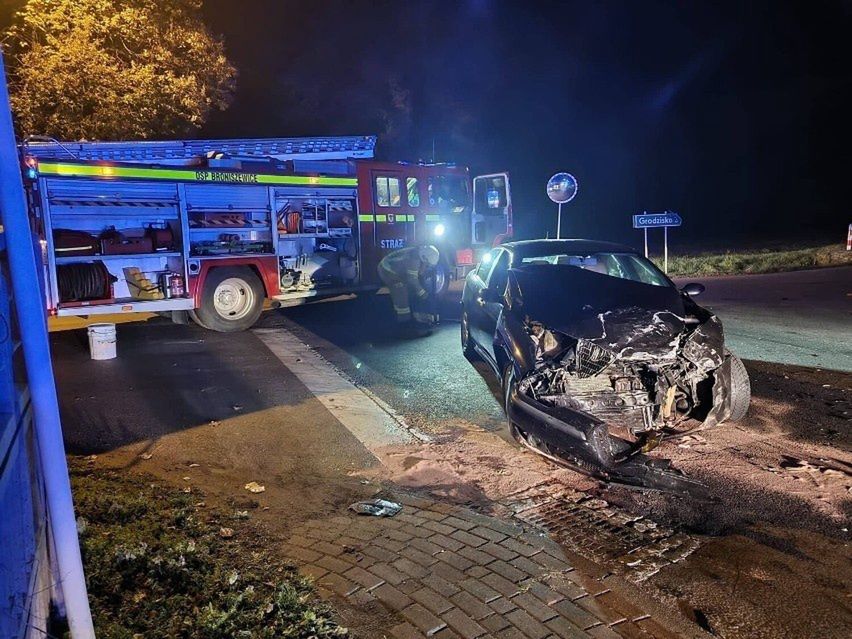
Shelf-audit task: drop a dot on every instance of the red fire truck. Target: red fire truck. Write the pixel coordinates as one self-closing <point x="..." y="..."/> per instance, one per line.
<point x="213" y="228"/>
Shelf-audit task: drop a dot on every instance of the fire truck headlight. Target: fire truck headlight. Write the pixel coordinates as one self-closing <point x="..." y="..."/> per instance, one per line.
<point x="439" y="230"/>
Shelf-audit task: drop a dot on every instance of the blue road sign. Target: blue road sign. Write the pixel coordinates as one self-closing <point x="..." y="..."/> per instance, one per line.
<point x="656" y="220"/>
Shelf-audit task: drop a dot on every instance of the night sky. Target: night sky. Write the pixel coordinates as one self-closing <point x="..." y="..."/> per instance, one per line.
<point x="734" y="114"/>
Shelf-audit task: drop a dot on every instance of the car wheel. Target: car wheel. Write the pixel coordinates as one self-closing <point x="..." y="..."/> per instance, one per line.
<point x="740" y="389"/>
<point x="467" y="345"/>
<point x="231" y="301"/>
<point x="508" y="383"/>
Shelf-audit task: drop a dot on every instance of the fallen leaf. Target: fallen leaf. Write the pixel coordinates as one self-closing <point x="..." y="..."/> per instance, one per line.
<point x="146" y="455"/>
<point x="254" y="487"/>
<point x="226" y="533"/>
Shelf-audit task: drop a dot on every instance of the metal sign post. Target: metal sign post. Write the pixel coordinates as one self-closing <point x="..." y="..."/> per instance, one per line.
<point x="561" y="188"/>
<point x="665" y="219"/>
<point x="559" y="221"/>
<point x="24" y="268"/>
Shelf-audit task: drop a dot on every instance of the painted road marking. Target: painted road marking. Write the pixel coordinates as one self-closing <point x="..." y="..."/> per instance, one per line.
<point x="367" y="417"/>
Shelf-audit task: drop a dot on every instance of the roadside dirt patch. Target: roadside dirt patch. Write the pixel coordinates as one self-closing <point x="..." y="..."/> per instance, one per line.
<point x="772" y="583"/>
<point x="471" y="466"/>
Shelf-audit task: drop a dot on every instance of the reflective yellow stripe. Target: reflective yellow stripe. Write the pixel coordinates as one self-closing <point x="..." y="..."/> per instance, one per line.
<point x="62" y="169"/>
<point x="397" y="217"/>
<point x="365" y="218"/>
<point x="432" y="217"/>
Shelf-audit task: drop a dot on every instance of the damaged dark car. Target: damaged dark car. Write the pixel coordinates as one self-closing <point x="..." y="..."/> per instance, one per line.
<point x="600" y="356"/>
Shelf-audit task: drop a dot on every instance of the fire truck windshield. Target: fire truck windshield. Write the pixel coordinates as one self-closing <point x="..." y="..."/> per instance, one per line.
<point x="449" y="192"/>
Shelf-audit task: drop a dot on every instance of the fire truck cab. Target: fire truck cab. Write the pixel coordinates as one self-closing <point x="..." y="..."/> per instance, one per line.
<point x="213" y="228"/>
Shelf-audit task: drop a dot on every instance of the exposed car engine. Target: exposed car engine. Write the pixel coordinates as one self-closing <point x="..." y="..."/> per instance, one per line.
<point x="635" y="391"/>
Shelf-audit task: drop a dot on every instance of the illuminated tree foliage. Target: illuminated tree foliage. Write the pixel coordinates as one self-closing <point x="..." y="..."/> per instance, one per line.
<point x="115" y="69"/>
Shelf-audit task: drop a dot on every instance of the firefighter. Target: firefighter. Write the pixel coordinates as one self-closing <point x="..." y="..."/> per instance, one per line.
<point x="401" y="271"/>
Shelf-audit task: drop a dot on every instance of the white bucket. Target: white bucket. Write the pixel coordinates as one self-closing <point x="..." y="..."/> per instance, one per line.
<point x="102" y="341"/>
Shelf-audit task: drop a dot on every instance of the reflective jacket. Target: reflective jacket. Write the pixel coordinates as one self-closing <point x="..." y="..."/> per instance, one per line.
<point x="403" y="266"/>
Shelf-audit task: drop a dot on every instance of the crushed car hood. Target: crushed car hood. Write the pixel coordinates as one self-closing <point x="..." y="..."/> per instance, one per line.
<point x="631" y="319"/>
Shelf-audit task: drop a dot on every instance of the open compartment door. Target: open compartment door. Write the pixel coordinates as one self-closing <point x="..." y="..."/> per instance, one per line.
<point x="491" y="222"/>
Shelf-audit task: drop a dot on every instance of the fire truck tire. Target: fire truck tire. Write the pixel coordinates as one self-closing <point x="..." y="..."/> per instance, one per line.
<point x="441" y="279"/>
<point x="231" y="301"/>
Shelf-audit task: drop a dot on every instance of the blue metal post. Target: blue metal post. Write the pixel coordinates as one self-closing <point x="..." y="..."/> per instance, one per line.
<point x="24" y="269"/>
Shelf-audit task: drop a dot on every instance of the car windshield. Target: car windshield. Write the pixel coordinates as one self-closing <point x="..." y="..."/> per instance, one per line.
<point x="626" y="266"/>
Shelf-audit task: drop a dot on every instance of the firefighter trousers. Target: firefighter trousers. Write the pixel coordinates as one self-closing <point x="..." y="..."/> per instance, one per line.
<point x="398" y="294"/>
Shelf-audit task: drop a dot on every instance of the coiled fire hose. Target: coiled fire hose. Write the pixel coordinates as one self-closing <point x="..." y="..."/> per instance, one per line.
<point x="84" y="281"/>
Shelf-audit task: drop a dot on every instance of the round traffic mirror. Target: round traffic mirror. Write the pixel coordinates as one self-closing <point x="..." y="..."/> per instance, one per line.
<point x="562" y="188"/>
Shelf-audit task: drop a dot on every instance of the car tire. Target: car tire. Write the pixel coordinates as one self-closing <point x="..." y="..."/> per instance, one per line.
<point x="740" y="389"/>
<point x="231" y="301"/>
<point x="466" y="343"/>
<point x="507" y="382"/>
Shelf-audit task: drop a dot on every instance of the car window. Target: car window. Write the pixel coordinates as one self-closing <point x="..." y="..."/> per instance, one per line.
<point x="499" y="275"/>
<point x="628" y="266"/>
<point x="487" y="263"/>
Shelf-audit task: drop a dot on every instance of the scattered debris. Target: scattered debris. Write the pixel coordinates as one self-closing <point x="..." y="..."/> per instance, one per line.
<point x="146" y="455"/>
<point x="226" y="533"/>
<point x="376" y="507"/>
<point x="254" y="487"/>
<point x="194" y="465"/>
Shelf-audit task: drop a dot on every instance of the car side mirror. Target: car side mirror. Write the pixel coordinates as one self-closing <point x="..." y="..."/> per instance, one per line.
<point x="693" y="288"/>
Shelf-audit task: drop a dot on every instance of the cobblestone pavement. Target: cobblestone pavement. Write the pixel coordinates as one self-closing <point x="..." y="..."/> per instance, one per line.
<point x="630" y="545"/>
<point x="445" y="571"/>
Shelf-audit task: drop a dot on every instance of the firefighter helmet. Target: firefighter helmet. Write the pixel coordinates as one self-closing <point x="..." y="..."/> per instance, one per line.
<point x="429" y="255"/>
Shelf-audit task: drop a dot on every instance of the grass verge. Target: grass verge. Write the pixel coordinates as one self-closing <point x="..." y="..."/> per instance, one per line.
<point x="160" y="563"/>
<point x="749" y="262"/>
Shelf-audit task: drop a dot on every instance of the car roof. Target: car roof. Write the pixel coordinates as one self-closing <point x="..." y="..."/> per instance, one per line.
<point x="568" y="245"/>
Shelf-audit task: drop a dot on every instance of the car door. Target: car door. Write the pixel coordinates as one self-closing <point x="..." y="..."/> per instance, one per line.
<point x="489" y="302"/>
<point x="471" y="297"/>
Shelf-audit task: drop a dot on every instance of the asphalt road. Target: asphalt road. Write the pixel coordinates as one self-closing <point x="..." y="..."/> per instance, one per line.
<point x="802" y="318"/>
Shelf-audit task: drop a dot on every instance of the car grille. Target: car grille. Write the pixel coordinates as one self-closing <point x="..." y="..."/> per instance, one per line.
<point x="591" y="359"/>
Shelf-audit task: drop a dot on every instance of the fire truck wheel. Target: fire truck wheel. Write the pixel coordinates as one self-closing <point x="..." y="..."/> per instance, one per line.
<point x="231" y="301"/>
<point x="440" y="279"/>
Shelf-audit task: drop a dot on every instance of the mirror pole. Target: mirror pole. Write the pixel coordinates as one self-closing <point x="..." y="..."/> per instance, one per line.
<point x="559" y="222"/>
